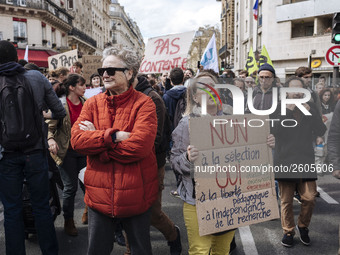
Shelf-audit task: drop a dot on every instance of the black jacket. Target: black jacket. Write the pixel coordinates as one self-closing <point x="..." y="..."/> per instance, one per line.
<point x="294" y="145"/>
<point x="142" y="86"/>
<point x="263" y="101"/>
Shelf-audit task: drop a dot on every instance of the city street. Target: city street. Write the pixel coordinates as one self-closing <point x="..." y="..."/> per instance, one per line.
<point x="241" y="91"/>
<point x="262" y="239"/>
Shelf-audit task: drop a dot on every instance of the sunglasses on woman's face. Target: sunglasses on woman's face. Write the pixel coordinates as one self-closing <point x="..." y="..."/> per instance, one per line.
<point x="110" y="70"/>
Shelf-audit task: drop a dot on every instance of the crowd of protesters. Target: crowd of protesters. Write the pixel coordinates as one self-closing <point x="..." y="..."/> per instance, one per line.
<point x="121" y="133"/>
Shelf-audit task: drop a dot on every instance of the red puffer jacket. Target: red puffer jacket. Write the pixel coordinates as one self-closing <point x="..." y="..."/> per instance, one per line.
<point x="120" y="178"/>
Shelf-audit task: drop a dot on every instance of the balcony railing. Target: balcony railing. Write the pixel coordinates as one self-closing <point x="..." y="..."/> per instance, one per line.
<point x="77" y="33"/>
<point x="20" y="39"/>
<point x="42" y="5"/>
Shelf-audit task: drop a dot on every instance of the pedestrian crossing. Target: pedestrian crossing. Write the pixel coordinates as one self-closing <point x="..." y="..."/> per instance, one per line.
<point x="327" y="197"/>
<point x="265" y="238"/>
<point x="247" y="240"/>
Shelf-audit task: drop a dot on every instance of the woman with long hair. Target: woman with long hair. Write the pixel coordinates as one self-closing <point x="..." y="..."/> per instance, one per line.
<point x="327" y="101"/>
<point x="182" y="157"/>
<point x="59" y="134"/>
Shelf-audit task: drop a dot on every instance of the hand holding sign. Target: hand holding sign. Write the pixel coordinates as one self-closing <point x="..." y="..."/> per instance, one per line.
<point x="192" y="153"/>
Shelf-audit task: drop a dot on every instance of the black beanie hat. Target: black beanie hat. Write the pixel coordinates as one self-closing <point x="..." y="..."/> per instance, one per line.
<point x="266" y="67"/>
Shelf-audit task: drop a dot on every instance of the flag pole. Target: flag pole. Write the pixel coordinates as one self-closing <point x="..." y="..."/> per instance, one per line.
<point x="26" y="53"/>
<point x="256" y="17"/>
<point x="257" y="34"/>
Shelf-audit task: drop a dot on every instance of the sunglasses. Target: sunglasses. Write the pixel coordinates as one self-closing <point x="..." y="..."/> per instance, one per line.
<point x="110" y="70"/>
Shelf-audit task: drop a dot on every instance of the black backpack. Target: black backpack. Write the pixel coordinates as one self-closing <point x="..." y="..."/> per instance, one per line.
<point x="21" y="121"/>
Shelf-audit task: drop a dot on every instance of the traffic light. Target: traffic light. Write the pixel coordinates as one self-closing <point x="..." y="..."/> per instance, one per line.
<point x="336" y="28"/>
<point x="222" y="65"/>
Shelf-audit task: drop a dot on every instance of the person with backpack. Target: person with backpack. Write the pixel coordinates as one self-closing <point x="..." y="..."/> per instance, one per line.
<point x="172" y="96"/>
<point x="23" y="95"/>
<point x="69" y="161"/>
<point x="159" y="219"/>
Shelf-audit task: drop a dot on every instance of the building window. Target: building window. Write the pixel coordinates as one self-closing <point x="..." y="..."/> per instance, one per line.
<point x="22" y="2"/>
<point x="114" y="38"/>
<point x="70" y="4"/>
<point x="302" y="29"/>
<point x="20" y="32"/>
<point x="9" y="1"/>
<point x="236" y="54"/>
<point x="324" y="25"/>
<point x="43" y="31"/>
<point x="53" y="39"/>
<point x="260" y="15"/>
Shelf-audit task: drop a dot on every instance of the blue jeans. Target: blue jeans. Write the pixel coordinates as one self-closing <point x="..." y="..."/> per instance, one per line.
<point x="14" y="167"/>
<point x="69" y="170"/>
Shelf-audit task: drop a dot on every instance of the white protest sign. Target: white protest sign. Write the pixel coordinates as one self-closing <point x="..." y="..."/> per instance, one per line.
<point x="163" y="53"/>
<point x="92" y="92"/>
<point x="231" y="191"/>
<point x="65" y="59"/>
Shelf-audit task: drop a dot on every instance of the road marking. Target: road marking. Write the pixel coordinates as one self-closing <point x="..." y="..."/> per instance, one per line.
<point x="327" y="197"/>
<point x="248" y="242"/>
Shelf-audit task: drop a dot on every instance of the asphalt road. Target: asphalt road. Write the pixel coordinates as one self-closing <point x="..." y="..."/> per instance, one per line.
<point x="263" y="238"/>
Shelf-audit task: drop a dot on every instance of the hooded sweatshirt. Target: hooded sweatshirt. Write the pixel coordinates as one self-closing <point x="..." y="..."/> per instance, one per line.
<point x="171" y="98"/>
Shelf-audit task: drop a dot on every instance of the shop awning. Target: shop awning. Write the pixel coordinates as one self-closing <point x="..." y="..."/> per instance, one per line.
<point x="38" y="57"/>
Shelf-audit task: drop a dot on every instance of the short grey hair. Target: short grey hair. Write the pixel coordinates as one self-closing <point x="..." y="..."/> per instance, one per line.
<point x="128" y="57"/>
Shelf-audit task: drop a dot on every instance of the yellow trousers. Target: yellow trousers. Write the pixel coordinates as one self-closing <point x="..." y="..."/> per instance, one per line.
<point x="202" y="245"/>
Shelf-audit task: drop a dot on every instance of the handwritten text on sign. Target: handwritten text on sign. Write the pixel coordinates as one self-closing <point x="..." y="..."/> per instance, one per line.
<point x="166" y="52"/>
<point x="226" y="196"/>
<point x="65" y="59"/>
<point x="90" y="65"/>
